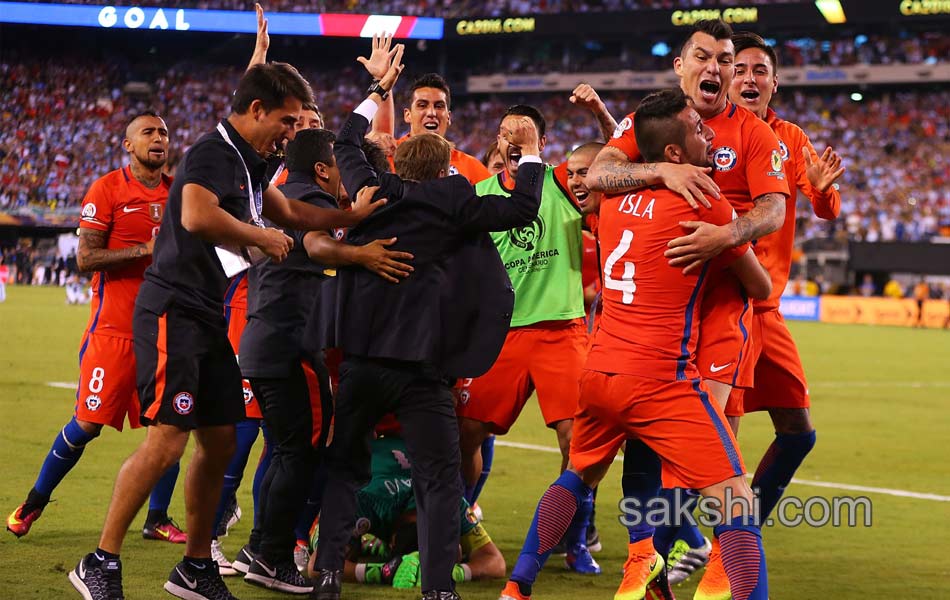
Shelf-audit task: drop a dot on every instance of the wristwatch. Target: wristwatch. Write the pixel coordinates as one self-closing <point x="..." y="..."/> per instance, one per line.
<point x="375" y="88"/>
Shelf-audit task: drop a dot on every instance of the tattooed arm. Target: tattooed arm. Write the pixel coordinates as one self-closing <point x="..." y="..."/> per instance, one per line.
<point x="613" y="173"/>
<point x="707" y="240"/>
<point x="93" y="255"/>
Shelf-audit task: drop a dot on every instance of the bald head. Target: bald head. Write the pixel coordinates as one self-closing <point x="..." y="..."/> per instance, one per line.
<point x="577" y="166"/>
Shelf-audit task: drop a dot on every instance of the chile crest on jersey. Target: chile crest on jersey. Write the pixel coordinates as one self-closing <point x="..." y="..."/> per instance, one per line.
<point x="725" y="159"/>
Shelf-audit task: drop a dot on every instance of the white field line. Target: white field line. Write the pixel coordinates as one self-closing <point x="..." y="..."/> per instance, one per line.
<point x="65" y="385"/>
<point x="823" y="484"/>
<point x="871" y="384"/>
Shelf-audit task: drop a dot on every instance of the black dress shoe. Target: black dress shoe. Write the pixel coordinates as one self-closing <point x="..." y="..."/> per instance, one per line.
<point x="327" y="585"/>
<point x="440" y="595"/>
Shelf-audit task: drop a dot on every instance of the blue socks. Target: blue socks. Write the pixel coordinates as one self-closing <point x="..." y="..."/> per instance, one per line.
<point x="640" y="483"/>
<point x="246" y="432"/>
<point x="554" y="515"/>
<point x="488" y="457"/>
<point x="162" y="492"/>
<point x="63" y="456"/>
<point x="777" y="467"/>
<point x="744" y="560"/>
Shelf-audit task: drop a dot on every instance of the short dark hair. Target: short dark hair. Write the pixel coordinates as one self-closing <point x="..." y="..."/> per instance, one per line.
<point x="431" y="80"/>
<point x="523" y="110"/>
<point x="309" y="147"/>
<point x="271" y="83"/>
<point x="655" y="124"/>
<point x="423" y="157"/>
<point x="743" y="40"/>
<point x="717" y="28"/>
<point x="148" y="112"/>
<point x="375" y="156"/>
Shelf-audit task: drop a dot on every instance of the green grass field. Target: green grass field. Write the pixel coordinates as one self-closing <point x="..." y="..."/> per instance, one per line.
<point x="880" y="407"/>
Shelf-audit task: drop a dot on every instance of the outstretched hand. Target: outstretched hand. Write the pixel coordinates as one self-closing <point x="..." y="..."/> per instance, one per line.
<point x="380" y="58"/>
<point x="586" y="96"/>
<point x="388" y="80"/>
<point x="825" y="171"/>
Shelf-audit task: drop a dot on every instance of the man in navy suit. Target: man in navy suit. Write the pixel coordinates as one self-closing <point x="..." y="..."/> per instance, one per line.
<point x="404" y="344"/>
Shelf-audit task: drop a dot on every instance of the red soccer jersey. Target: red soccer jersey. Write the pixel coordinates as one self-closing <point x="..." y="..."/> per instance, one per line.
<point x="775" y="250"/>
<point x="650" y="321"/>
<point x="460" y="163"/>
<point x="130" y="213"/>
<point x="747" y="159"/>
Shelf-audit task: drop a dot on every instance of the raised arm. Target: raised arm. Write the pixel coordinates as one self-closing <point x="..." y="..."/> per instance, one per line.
<point x="377" y="64"/>
<point x="263" y="40"/>
<point x="355" y="170"/>
<point x="818" y="178"/>
<point x="586" y="96"/>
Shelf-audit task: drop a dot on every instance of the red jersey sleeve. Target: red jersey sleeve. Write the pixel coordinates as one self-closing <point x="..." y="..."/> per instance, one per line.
<point x="764" y="168"/>
<point x="827" y="204"/>
<point x="624" y="139"/>
<point x="469" y="167"/>
<point x="97" y="207"/>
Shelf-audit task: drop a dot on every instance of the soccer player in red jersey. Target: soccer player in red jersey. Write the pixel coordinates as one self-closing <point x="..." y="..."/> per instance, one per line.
<point x="641" y="379"/>
<point x="780" y="386"/>
<point x="120" y="218"/>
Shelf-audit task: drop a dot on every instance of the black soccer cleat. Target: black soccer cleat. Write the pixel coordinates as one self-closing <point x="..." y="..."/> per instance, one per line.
<point x="244" y="559"/>
<point x="283" y="577"/>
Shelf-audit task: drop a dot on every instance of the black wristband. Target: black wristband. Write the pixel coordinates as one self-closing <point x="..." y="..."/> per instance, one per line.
<point x="375" y="88"/>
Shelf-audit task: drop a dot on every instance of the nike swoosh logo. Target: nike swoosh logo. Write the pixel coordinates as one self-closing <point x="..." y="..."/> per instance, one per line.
<point x="714" y="369"/>
<point x="56" y="454"/>
<point x="126" y="209"/>
<point x="191" y="583"/>
<point x="82" y="569"/>
<point x="270" y="572"/>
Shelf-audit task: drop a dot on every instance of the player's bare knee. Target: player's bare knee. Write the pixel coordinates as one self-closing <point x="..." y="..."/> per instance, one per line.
<point x="471" y="435"/>
<point x="733" y="494"/>
<point x="791" y="421"/>
<point x="592" y="475"/>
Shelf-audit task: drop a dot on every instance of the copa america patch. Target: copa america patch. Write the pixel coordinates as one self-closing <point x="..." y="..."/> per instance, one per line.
<point x="93" y="402"/>
<point x="725" y="158"/>
<point x="622" y="126"/>
<point x="184" y="403"/>
<point x="89" y="210"/>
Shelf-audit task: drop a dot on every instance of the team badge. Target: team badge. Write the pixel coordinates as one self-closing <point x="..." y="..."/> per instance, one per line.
<point x="528" y="236"/>
<point x="725" y="159"/>
<point x="624" y="125"/>
<point x="93" y="402"/>
<point x="453" y="170"/>
<point x="362" y="526"/>
<point x="777" y="160"/>
<point x="339" y="233"/>
<point x="248" y="395"/>
<point x="784" y="149"/>
<point x="89" y="210"/>
<point x="183" y="403"/>
<point x="464" y="397"/>
<point x="155" y="211"/>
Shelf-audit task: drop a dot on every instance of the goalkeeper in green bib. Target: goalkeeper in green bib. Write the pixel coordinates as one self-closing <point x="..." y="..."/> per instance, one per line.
<point x="384" y="549"/>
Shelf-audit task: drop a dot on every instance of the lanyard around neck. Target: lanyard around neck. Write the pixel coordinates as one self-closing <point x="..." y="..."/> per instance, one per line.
<point x="254" y="194"/>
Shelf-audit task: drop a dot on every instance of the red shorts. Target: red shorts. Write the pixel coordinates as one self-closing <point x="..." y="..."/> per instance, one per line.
<point x="725" y="321"/>
<point x="547" y="358"/>
<point x="678" y="420"/>
<point x="237" y="319"/>
<point x="107" y="391"/>
<point x="778" y="372"/>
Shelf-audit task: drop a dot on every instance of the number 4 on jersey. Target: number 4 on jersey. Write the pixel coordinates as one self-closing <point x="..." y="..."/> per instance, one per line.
<point x="625" y="284"/>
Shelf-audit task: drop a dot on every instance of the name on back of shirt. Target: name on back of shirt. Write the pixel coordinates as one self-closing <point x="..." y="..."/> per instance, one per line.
<point x="637" y="205"/>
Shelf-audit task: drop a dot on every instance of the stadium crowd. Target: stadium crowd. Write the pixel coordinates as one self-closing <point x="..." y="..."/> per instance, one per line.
<point x="54" y="147"/>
